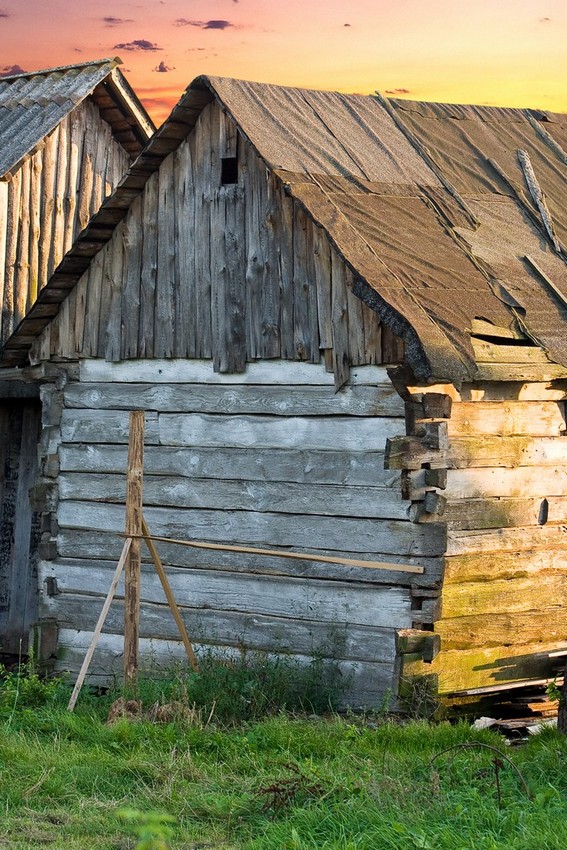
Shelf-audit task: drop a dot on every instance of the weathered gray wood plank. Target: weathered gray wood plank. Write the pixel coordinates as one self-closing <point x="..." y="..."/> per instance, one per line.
<point x="109" y="427"/>
<point x="327" y="601"/>
<point x="318" y="499"/>
<point x="166" y="279"/>
<point x="185" y="293"/>
<point x="252" y="631"/>
<point x="148" y="280"/>
<point x="247" y="399"/>
<point x="81" y="544"/>
<point x="360" y="434"/>
<point x="131" y="295"/>
<point x="300" y="466"/>
<point x="201" y="371"/>
<point x="266" y="529"/>
<point x="368" y="684"/>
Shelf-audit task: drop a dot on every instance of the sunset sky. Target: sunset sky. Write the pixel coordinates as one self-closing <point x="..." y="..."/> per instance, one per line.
<point x="503" y="52"/>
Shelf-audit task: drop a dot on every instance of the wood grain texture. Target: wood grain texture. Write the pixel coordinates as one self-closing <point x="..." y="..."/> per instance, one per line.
<point x="267" y="530"/>
<point x="382" y="401"/>
<point x="324" y="601"/>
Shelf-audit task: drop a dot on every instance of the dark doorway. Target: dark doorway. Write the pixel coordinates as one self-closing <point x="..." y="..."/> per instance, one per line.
<point x="20" y="421"/>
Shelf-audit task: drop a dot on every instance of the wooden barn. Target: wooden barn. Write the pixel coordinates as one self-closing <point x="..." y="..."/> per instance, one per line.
<point x="345" y="318"/>
<point x="67" y="137"/>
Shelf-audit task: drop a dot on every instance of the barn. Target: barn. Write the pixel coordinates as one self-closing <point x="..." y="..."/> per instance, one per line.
<point x="344" y="318"/>
<point x="67" y="137"/>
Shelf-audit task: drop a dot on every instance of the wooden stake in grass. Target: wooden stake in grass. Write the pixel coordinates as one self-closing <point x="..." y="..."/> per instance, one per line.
<point x="98" y="628"/>
<point x="134" y="529"/>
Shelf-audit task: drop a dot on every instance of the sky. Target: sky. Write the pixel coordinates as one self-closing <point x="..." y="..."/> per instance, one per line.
<point x="498" y="52"/>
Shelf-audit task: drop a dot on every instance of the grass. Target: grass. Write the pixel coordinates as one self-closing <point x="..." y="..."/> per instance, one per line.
<point x="280" y="782"/>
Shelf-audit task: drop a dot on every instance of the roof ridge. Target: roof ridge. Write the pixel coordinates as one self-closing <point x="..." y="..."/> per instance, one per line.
<point x="114" y="61"/>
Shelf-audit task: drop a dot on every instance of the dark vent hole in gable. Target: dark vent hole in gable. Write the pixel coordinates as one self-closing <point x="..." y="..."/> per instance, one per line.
<point x="229" y="170"/>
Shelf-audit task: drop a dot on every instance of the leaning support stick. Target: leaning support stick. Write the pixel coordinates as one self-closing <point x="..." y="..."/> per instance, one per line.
<point x="100" y="624"/>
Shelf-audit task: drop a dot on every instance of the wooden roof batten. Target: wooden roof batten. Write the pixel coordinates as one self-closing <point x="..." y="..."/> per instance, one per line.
<point x="425" y="339"/>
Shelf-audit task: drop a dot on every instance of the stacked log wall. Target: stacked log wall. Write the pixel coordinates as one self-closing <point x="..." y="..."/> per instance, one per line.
<point x="499" y="481"/>
<point x="48" y="200"/>
<point x="273" y="458"/>
<point x="234" y="272"/>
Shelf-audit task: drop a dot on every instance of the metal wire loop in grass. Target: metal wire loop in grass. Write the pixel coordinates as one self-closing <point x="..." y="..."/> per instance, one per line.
<point x="467" y="745"/>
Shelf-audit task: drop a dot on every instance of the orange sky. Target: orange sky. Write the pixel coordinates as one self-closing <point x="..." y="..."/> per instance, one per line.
<point x="504" y="52"/>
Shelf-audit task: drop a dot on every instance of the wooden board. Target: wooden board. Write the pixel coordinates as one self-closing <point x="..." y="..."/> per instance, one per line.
<point x="484" y="566"/>
<point x="236" y="629"/>
<point x="175" y="491"/>
<point x="278" y="400"/>
<point x="545" y="418"/>
<point x="80" y="544"/>
<point x="519" y="594"/>
<point x="522" y="482"/>
<point x="309" y="466"/>
<point x="327" y="601"/>
<point x="368" y="683"/>
<point x="503" y="628"/>
<point x="266" y="529"/>
<point x="486" y="667"/>
<point x="201" y="371"/>
<point x="361" y="434"/>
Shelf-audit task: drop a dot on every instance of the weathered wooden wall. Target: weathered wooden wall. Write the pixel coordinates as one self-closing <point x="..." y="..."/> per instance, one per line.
<point x="273" y="458"/>
<point x="19" y="524"/>
<point x="48" y="200"/>
<point x="502" y="469"/>
<point x="234" y="272"/>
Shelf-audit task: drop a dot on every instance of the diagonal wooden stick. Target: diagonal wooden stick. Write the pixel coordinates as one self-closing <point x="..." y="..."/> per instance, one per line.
<point x="298" y="556"/>
<point x="170" y="597"/>
<point x="99" y="625"/>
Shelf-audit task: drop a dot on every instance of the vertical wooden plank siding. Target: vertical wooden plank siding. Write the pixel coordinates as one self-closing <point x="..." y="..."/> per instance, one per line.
<point x="19" y="532"/>
<point x="3" y="240"/>
<point x="51" y="197"/>
<point x="186" y="330"/>
<point x="166" y="279"/>
<point x="235" y="272"/>
<point x="14" y="194"/>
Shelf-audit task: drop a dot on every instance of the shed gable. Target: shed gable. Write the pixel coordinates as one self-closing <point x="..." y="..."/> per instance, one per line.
<point x="235" y="272"/>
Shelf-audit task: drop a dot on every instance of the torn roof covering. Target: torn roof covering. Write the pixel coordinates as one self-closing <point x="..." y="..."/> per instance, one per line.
<point x="32" y="105"/>
<point x="435" y="233"/>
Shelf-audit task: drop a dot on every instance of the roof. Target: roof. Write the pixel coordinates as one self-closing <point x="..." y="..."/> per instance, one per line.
<point x="32" y="105"/>
<point x="428" y="204"/>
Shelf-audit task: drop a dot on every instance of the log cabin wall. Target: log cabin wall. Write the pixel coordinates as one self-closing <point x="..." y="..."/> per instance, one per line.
<point x="202" y="267"/>
<point x="48" y="200"/>
<point x="498" y="479"/>
<point x="273" y="458"/>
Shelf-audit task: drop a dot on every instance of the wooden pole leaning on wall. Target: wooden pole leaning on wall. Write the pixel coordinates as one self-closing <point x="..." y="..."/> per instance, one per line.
<point x="134" y="529"/>
<point x="100" y="623"/>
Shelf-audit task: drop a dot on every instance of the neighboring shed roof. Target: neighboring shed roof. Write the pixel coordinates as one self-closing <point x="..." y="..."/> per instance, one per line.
<point x="436" y="239"/>
<point x="32" y="105"/>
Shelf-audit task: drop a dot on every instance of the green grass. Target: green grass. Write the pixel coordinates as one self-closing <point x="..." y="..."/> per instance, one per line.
<point x="279" y="783"/>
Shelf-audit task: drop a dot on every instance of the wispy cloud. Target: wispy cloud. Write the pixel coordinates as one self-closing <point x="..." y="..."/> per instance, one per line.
<point x="111" y="21"/>
<point x="137" y="44"/>
<point x="162" y="68"/>
<point x="545" y="20"/>
<point x="398" y="91"/>
<point x="205" y="25"/>
<point x="10" y="70"/>
<point x="4" y="14"/>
